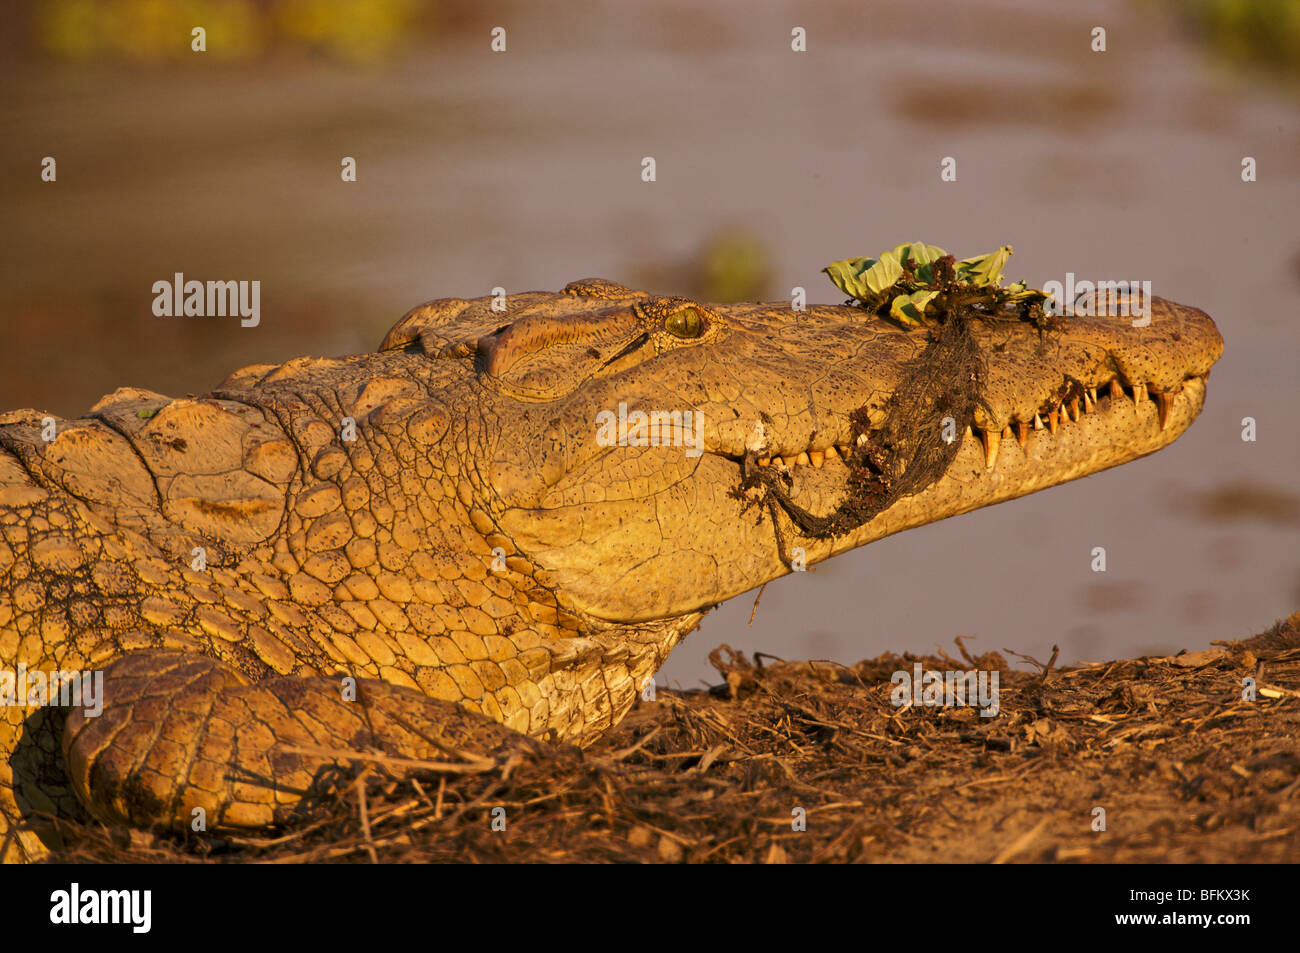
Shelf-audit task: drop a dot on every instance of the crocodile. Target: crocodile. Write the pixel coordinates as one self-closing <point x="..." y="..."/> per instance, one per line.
<point x="486" y="536"/>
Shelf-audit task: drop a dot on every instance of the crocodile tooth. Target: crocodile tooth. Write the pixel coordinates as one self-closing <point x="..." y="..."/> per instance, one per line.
<point x="1006" y="432"/>
<point x="1090" y="398"/>
<point x="802" y="459"/>
<point x="1116" y="389"/>
<point x="1074" y="408"/>
<point x="1139" y="394"/>
<point x="1022" y="433"/>
<point x="1164" y="404"/>
<point x="1038" y="422"/>
<point x="1052" y="421"/>
<point x="778" y="462"/>
<point x="991" y="443"/>
<point x="817" y="458"/>
<point x="832" y="453"/>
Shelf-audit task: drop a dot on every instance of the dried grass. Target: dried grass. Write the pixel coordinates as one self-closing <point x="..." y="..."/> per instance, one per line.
<point x="1183" y="767"/>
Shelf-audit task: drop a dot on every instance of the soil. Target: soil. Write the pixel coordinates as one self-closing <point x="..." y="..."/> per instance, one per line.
<point x="1136" y="760"/>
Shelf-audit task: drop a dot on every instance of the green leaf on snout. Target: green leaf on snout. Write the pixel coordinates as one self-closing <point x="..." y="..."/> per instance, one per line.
<point x="847" y="276"/>
<point x="881" y="276"/>
<point x="918" y="253"/>
<point x="875" y="282"/>
<point x="984" y="270"/>
<point x="908" y="309"/>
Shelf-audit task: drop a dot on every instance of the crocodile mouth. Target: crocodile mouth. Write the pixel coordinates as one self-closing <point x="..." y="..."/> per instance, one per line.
<point x="1076" y="431"/>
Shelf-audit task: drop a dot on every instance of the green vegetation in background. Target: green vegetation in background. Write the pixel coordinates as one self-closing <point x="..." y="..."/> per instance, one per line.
<point x="734" y="267"/>
<point x="160" y="30"/>
<point x="1261" y="35"/>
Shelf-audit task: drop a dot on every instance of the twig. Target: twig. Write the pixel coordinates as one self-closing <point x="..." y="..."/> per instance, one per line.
<point x="1056" y="650"/>
<point x="420" y="791"/>
<point x="754" y="611"/>
<point x="1021" y="842"/>
<point x="365" y="817"/>
<point x="475" y="764"/>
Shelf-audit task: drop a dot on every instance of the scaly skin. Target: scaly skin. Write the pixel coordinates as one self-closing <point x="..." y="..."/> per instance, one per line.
<point x="470" y="549"/>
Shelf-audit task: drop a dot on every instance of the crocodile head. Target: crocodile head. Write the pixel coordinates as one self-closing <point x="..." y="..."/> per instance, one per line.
<point x="658" y="455"/>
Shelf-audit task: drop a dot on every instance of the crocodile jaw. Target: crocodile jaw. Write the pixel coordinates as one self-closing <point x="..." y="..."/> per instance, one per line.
<point x="1116" y="431"/>
<point x="622" y="586"/>
<point x="672" y="534"/>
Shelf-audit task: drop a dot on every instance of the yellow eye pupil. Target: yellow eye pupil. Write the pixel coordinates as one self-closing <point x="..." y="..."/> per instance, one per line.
<point x="685" y="323"/>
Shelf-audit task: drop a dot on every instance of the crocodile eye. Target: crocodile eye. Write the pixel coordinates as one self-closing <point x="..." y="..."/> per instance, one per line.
<point x="685" y="323"/>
